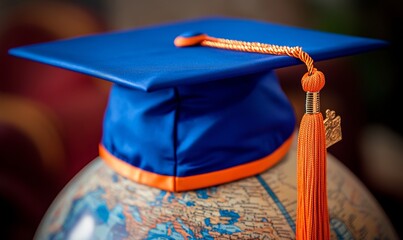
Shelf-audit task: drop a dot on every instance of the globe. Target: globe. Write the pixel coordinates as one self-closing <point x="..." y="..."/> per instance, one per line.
<point x="100" y="204"/>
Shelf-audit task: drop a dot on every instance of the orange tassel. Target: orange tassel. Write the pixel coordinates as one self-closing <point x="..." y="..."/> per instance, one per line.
<point x="312" y="210"/>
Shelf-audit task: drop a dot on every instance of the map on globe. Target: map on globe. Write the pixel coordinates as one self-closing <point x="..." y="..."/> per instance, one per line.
<point x="100" y="204"/>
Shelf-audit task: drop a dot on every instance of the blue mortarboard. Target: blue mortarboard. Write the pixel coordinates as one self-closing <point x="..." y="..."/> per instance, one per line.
<point x="186" y="118"/>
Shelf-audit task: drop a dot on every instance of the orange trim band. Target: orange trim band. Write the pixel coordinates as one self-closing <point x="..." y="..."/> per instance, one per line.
<point x="178" y="184"/>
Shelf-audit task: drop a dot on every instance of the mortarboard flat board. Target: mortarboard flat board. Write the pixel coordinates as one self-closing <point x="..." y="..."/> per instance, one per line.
<point x="186" y="118"/>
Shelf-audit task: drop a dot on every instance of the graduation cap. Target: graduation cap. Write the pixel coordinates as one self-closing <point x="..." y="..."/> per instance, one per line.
<point x="196" y="103"/>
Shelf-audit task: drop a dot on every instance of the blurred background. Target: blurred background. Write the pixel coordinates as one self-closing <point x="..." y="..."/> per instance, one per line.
<point x="51" y="119"/>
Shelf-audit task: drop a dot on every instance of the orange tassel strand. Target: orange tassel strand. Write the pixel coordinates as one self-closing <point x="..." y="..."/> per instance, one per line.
<point x="312" y="211"/>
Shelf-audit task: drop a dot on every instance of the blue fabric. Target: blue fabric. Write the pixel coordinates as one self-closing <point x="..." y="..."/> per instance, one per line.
<point x="199" y="128"/>
<point x="186" y="111"/>
<point x="139" y="128"/>
<point x="147" y="59"/>
<point x="226" y="123"/>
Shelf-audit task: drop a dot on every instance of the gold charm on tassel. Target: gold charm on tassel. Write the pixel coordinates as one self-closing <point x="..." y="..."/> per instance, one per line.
<point x="332" y="128"/>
